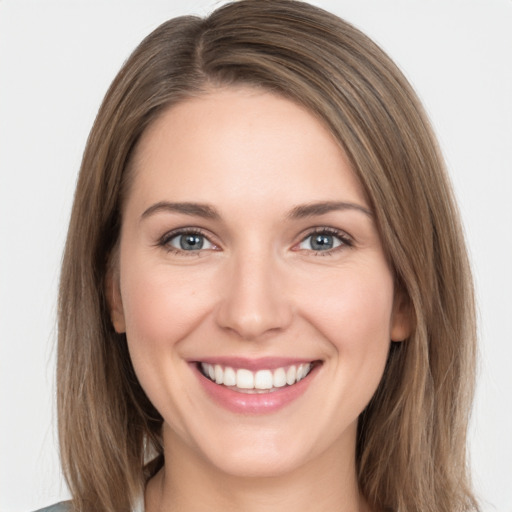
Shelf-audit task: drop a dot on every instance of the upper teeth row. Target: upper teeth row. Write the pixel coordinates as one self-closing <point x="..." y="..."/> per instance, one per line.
<point x="261" y="379"/>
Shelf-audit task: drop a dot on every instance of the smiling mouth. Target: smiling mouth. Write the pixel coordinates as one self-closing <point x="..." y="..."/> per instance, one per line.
<point x="243" y="380"/>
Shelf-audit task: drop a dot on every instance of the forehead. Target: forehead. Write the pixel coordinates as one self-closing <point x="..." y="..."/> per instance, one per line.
<point x="242" y="143"/>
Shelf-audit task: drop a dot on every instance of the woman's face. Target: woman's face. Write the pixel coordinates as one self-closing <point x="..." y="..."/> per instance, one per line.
<point x="253" y="288"/>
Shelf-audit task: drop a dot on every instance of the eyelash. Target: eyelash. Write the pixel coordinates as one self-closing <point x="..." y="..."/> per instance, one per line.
<point x="165" y="240"/>
<point x="346" y="241"/>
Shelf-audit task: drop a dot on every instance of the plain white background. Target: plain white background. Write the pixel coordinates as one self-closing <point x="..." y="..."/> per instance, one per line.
<point x="57" y="59"/>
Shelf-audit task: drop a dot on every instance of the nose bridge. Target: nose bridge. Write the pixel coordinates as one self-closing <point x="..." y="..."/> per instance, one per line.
<point x="254" y="300"/>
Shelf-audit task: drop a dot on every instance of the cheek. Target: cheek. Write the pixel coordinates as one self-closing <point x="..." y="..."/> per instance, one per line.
<point x="353" y="316"/>
<point x="161" y="305"/>
<point x="354" y="306"/>
<point x="356" y="320"/>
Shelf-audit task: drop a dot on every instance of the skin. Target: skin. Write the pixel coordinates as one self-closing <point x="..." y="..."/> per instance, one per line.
<point x="256" y="289"/>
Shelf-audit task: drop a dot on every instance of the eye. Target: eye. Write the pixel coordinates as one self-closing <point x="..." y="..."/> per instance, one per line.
<point x="186" y="241"/>
<point x="324" y="240"/>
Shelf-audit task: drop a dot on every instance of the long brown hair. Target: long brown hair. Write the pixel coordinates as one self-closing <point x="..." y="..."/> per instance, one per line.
<point x="411" y="452"/>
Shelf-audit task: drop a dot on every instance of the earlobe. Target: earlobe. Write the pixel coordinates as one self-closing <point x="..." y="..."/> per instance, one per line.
<point x="114" y="300"/>
<point x="401" y="321"/>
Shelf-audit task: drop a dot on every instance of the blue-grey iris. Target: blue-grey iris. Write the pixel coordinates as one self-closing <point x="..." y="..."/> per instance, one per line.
<point x="322" y="242"/>
<point x="191" y="242"/>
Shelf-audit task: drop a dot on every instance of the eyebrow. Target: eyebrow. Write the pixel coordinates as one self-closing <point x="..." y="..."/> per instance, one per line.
<point x="195" y="209"/>
<point x="208" y="212"/>
<point x="323" y="207"/>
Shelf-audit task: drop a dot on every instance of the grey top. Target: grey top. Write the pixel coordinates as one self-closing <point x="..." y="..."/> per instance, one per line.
<point x="63" y="506"/>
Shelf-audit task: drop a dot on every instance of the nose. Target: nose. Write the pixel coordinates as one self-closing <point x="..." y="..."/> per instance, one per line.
<point x="254" y="301"/>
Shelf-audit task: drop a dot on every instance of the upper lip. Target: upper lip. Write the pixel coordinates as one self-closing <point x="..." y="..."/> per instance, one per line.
<point x="254" y="364"/>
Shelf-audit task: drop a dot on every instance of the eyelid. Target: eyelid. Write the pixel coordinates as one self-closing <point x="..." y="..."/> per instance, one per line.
<point x="164" y="240"/>
<point x="346" y="240"/>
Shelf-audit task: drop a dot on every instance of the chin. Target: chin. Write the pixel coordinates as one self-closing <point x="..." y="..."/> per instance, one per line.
<point x="252" y="450"/>
<point x="258" y="463"/>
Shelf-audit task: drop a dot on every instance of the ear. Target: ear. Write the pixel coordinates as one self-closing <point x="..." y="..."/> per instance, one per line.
<point x="401" y="319"/>
<point x="114" y="300"/>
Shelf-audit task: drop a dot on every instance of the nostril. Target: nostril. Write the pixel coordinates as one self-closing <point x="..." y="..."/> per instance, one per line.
<point x="250" y="324"/>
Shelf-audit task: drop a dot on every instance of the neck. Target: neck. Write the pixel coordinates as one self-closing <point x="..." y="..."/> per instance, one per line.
<point x="327" y="483"/>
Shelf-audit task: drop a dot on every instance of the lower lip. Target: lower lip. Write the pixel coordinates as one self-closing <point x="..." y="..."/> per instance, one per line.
<point x="254" y="403"/>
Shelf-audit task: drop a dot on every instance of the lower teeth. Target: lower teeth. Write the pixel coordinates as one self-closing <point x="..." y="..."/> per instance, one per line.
<point x="253" y="391"/>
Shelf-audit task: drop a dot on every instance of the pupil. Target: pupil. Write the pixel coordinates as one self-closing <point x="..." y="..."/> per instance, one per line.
<point x="322" y="242"/>
<point x="188" y="242"/>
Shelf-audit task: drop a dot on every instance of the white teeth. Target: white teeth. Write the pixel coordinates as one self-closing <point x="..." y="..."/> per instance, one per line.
<point x="279" y="379"/>
<point x="306" y="368"/>
<point x="219" y="374"/>
<point x="291" y="375"/>
<point x="244" y="379"/>
<point x="229" y="377"/>
<point x="261" y="380"/>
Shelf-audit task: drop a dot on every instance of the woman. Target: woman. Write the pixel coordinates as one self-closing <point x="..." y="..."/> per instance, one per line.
<point x="265" y="298"/>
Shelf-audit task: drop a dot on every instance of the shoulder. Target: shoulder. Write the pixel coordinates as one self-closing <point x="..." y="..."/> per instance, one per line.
<point x="63" y="506"/>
